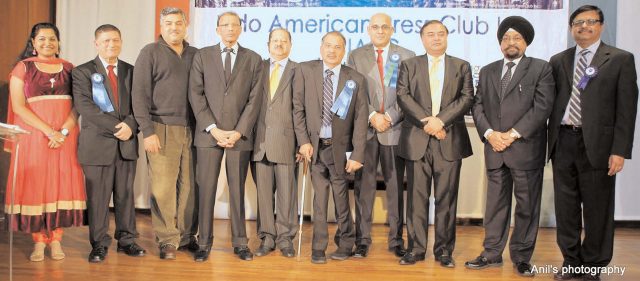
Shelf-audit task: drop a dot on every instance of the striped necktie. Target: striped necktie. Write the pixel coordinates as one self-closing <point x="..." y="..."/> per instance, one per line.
<point x="575" y="110"/>
<point x="327" y="98"/>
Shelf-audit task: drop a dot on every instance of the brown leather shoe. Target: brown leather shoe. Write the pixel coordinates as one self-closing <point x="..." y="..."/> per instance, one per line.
<point x="168" y="252"/>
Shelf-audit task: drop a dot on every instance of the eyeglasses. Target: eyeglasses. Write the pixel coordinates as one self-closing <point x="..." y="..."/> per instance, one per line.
<point x="231" y="25"/>
<point x="383" y="27"/>
<point x="589" y="22"/>
<point x="514" y="38"/>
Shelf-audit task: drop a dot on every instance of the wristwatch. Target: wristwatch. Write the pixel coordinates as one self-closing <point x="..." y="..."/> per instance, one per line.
<point x="64" y="132"/>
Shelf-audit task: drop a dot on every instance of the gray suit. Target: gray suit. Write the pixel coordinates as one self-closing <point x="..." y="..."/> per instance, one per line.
<point x="230" y="106"/>
<point x="381" y="147"/>
<point x="429" y="158"/>
<point x="274" y="153"/>
<point x="525" y="106"/>
<point x="328" y="162"/>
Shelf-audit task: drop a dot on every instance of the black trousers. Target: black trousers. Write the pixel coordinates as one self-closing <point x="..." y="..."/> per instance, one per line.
<point x="582" y="192"/>
<point x="446" y="177"/>
<point x="100" y="183"/>
<point x="207" y="173"/>
<point x="365" y="192"/>
<point x="324" y="178"/>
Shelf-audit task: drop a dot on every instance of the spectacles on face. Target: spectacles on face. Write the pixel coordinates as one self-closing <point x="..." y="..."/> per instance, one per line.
<point x="230" y="25"/>
<point x="381" y="27"/>
<point x="589" y="22"/>
<point x="512" y="38"/>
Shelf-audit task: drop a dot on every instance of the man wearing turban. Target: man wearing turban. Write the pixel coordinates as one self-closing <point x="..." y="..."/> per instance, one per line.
<point x="514" y="98"/>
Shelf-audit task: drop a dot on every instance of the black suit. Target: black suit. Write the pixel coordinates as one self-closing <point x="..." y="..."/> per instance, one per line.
<point x="524" y="106"/>
<point x="231" y="106"/>
<point x="109" y="164"/>
<point x="329" y="161"/>
<point x="580" y="157"/>
<point x="429" y="158"/>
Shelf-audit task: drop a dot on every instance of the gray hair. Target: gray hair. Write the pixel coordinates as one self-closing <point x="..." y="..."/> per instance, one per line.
<point x="172" y="11"/>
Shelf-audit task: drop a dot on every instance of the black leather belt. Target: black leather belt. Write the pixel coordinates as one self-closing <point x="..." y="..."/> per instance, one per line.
<point x="325" y="142"/>
<point x="572" y="128"/>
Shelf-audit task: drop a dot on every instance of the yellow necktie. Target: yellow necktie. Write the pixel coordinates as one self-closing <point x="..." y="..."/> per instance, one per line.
<point x="274" y="80"/>
<point x="434" y="84"/>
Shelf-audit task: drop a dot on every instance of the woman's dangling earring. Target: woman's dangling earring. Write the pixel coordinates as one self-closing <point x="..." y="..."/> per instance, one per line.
<point x="34" y="52"/>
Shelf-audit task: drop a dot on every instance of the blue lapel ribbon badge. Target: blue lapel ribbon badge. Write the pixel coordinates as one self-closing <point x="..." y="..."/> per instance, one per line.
<point x="100" y="96"/>
<point x="391" y="71"/>
<point x="589" y="73"/>
<point x="341" y="104"/>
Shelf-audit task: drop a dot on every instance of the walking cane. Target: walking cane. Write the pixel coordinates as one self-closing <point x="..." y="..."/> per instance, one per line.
<point x="305" y="166"/>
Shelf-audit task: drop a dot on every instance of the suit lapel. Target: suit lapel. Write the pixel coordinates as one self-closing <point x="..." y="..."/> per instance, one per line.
<point x="450" y="75"/>
<point x="217" y="63"/>
<point x="107" y="85"/>
<point x="237" y="65"/>
<point x="521" y="70"/>
<point x="318" y="83"/>
<point x="567" y="64"/>
<point x="285" y="79"/>
<point x="601" y="56"/>
<point x="342" y="79"/>
<point x="423" y="67"/>
<point x="123" y="96"/>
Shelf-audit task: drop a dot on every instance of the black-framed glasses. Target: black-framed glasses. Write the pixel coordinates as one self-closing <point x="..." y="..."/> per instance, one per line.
<point x="589" y="22"/>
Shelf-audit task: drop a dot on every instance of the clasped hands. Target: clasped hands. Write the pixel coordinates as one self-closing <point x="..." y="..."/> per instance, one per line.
<point x="226" y="139"/>
<point x="500" y="140"/>
<point x="380" y="122"/>
<point x="434" y="127"/>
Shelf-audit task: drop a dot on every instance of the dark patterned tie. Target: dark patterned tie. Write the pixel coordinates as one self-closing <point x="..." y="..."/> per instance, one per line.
<point x="327" y="98"/>
<point x="575" y="115"/>
<point x="505" y="79"/>
<point x="227" y="64"/>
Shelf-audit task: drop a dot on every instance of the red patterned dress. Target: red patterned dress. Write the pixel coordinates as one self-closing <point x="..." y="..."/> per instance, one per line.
<point x="49" y="191"/>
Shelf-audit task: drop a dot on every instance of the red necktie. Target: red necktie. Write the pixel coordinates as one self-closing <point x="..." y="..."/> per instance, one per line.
<point x="113" y="80"/>
<point x="381" y="70"/>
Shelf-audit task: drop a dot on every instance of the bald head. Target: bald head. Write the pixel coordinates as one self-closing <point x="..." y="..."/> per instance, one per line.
<point x="380" y="30"/>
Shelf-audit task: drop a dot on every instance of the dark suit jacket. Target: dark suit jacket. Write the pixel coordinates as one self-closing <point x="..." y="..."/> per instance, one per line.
<point x="96" y="143"/>
<point x="347" y="135"/>
<point x="275" y="136"/>
<point x="363" y="60"/>
<point x="609" y="103"/>
<point x="232" y="106"/>
<point x="525" y="106"/>
<point x="414" y="97"/>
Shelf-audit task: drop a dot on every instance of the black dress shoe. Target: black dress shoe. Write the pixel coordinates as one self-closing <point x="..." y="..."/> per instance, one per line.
<point x="201" y="255"/>
<point x="524" y="269"/>
<point x="288" y="252"/>
<point x="566" y="276"/>
<point x="263" y="251"/>
<point x="168" y="252"/>
<point x="481" y="262"/>
<point x="446" y="261"/>
<point x="133" y="250"/>
<point x="318" y="257"/>
<point x="98" y="254"/>
<point x="590" y="277"/>
<point x="192" y="246"/>
<point x="341" y="254"/>
<point x="411" y="258"/>
<point x="243" y="253"/>
<point x="399" y="251"/>
<point x="361" y="251"/>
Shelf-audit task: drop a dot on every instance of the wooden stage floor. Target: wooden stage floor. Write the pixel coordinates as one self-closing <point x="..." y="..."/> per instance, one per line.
<point x="223" y="265"/>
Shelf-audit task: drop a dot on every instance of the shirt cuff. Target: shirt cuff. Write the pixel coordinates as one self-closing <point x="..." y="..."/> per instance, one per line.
<point x="208" y="129"/>
<point x="487" y="132"/>
<point x="371" y="115"/>
<point x="518" y="135"/>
